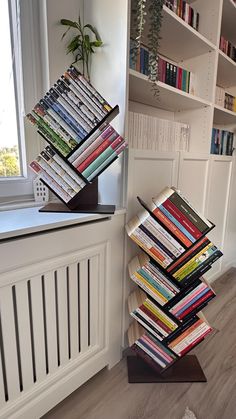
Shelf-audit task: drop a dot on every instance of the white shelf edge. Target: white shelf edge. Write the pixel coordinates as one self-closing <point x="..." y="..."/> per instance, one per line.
<point x="227" y="111"/>
<point x="189" y="27"/>
<point x="170" y="88"/>
<point x="227" y="58"/>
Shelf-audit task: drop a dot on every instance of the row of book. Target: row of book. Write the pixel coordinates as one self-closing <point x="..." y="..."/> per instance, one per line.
<point x="171" y="290"/>
<point x="152" y="133"/>
<point x="139" y="60"/>
<point x="225" y="99"/>
<point x="163" y="290"/>
<point x="222" y="142"/>
<point x="69" y="111"/>
<point x="228" y="48"/>
<point x="175" y="76"/>
<point x="230" y="102"/>
<point x="57" y="174"/>
<point x="182" y="9"/>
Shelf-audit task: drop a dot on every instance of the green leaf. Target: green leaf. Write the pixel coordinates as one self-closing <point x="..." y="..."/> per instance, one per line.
<point x="96" y="43"/>
<point x="92" y="29"/>
<point x="67" y="22"/>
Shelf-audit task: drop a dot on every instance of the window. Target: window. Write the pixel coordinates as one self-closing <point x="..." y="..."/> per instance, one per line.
<point x="19" y="26"/>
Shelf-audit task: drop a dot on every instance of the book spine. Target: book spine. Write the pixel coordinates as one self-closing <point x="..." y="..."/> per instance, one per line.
<point x="171" y="227"/>
<point x="216" y="255"/>
<point x="107" y="162"/>
<point x="170" y="242"/>
<point x="146" y="325"/>
<point x="105" y="155"/>
<point x="148" y="289"/>
<point x="204" y="298"/>
<point x="156" y="323"/>
<point x="177" y="223"/>
<point x="97" y="151"/>
<point x="194" y="231"/>
<point x="167" y="294"/>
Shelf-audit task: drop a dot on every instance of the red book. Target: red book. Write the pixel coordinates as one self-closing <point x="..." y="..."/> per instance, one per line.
<point x="189" y="252"/>
<point x="180" y="76"/>
<point x="179" y="216"/>
<point x="172" y="227"/>
<point x="187" y="349"/>
<point x="102" y="147"/>
<point x="155" y="319"/>
<point x="196" y="304"/>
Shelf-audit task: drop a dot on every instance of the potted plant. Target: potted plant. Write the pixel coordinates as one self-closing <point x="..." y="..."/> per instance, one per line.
<point x="83" y="43"/>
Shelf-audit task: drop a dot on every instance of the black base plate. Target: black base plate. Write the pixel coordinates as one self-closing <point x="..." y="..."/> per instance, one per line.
<point x="82" y="208"/>
<point x="186" y="370"/>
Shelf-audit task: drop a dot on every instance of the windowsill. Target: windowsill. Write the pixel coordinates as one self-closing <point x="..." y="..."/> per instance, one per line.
<point x="20" y="222"/>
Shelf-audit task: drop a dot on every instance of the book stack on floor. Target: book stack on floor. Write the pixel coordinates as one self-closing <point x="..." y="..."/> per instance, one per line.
<point x="184" y="11"/>
<point x="171" y="289"/>
<point x="222" y="142"/>
<point x="152" y="133"/>
<point x="74" y="119"/>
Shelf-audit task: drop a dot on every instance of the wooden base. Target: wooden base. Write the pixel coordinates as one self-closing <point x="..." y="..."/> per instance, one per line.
<point x="186" y="370"/>
<point x="82" y="208"/>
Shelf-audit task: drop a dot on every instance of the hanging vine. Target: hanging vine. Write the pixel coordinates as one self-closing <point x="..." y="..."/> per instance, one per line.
<point x="150" y="12"/>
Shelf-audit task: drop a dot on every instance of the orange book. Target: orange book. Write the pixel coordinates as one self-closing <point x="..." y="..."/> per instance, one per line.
<point x="186" y="333"/>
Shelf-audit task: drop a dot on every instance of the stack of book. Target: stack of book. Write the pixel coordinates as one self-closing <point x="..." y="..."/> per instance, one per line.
<point x="152" y="133"/>
<point x="228" y="48"/>
<point x="222" y="142"/>
<point x="230" y="102"/>
<point x="175" y="76"/>
<point x="139" y="60"/>
<point x="172" y="291"/>
<point x="220" y="96"/>
<point x="182" y="9"/>
<point x="74" y="119"/>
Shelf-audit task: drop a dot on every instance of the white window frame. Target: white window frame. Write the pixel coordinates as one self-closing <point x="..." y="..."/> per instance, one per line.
<point x="29" y="86"/>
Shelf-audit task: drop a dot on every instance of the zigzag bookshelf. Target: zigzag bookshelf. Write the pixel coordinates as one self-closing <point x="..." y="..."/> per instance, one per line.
<point x="171" y="292"/>
<point x="75" y="120"/>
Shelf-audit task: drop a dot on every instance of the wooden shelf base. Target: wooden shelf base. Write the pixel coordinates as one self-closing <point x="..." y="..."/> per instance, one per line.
<point x="82" y="208"/>
<point x="186" y="370"/>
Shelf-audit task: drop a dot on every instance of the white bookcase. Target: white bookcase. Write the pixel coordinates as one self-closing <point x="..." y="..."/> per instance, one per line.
<point x="207" y="180"/>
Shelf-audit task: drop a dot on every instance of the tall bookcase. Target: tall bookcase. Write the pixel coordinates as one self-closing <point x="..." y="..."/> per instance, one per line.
<point x="197" y="51"/>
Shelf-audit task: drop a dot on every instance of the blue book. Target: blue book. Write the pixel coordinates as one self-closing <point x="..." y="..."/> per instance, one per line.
<point x="176" y="223"/>
<point x="154" y="284"/>
<point x="192" y="301"/>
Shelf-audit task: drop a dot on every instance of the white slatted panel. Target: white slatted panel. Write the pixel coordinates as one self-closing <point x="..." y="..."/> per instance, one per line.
<point x="62" y="315"/>
<point x="50" y="309"/>
<point x="83" y="282"/>
<point x="73" y="310"/>
<point x="9" y="342"/>
<point x="94" y="290"/>
<point x="2" y="392"/>
<point x="38" y="327"/>
<point x="22" y="303"/>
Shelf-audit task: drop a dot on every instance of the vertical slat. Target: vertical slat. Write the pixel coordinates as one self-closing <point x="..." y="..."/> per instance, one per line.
<point x="62" y="315"/>
<point x="22" y="304"/>
<point x="9" y="342"/>
<point x="73" y="310"/>
<point x="94" y="298"/>
<point x="50" y="311"/>
<point x="38" y="327"/>
<point x="2" y="391"/>
<point x="83" y="273"/>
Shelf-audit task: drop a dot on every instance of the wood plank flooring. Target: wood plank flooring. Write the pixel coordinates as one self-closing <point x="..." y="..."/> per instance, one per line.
<point x="109" y="396"/>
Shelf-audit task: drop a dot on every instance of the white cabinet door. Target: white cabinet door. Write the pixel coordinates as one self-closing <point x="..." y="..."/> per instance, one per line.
<point x="192" y="180"/>
<point x="149" y="173"/>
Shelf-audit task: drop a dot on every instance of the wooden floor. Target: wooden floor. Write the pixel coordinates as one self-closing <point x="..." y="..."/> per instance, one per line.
<point x="109" y="396"/>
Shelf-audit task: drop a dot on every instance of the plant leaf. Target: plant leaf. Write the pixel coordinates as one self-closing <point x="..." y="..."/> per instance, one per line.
<point x="67" y="22"/>
<point x="96" y="43"/>
<point x="92" y="29"/>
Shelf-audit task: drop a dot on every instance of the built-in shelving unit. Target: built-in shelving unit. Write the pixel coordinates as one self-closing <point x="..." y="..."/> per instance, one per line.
<point x="169" y="98"/>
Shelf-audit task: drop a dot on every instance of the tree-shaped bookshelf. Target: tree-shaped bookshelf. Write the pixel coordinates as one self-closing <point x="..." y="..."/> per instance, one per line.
<point x="171" y="290"/>
<point x="75" y="120"/>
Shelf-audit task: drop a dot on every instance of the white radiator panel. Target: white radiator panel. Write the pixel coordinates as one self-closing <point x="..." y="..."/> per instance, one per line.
<point x="52" y="314"/>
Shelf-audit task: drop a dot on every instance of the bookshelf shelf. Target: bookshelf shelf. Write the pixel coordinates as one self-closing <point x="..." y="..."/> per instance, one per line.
<point x="224" y="116"/>
<point x="226" y="76"/>
<point x="170" y="98"/>
<point x="228" y="21"/>
<point x="181" y="34"/>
